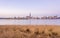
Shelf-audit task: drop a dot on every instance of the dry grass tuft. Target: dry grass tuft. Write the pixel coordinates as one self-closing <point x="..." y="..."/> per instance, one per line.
<point x="29" y="31"/>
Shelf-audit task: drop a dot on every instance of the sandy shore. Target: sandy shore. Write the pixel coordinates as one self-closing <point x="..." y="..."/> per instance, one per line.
<point x="29" y="31"/>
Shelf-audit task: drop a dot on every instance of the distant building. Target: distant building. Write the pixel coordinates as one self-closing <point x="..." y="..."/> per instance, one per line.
<point x="29" y="17"/>
<point x="50" y="17"/>
<point x="44" y="17"/>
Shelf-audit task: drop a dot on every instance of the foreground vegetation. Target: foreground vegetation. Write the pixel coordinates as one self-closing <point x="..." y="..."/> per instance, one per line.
<point x="19" y="31"/>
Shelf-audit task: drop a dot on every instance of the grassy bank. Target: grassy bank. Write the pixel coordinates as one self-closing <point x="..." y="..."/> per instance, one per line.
<point x="29" y="31"/>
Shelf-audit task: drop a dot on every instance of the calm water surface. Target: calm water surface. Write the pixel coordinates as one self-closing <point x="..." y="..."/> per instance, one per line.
<point x="31" y="21"/>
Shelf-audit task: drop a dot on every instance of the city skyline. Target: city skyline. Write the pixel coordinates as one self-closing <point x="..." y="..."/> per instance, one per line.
<point x="24" y="7"/>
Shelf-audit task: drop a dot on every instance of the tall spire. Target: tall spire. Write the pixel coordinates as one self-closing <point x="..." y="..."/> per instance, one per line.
<point x="30" y="14"/>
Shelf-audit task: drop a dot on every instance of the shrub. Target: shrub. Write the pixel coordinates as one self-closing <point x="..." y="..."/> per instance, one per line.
<point x="50" y="30"/>
<point x="37" y="33"/>
<point x="28" y="31"/>
<point x="43" y="32"/>
<point x="1" y="31"/>
<point x="14" y="29"/>
<point x="53" y="33"/>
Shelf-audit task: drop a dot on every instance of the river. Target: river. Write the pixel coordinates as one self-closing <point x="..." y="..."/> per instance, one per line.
<point x="30" y="21"/>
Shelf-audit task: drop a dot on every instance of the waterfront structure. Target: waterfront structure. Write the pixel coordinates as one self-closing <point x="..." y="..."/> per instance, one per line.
<point x="44" y="17"/>
<point x="50" y="17"/>
<point x="31" y="17"/>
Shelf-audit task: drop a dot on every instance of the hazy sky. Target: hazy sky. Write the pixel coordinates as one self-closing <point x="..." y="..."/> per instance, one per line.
<point x="24" y="7"/>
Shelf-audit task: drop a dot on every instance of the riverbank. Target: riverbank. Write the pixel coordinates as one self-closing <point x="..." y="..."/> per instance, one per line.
<point x="29" y="31"/>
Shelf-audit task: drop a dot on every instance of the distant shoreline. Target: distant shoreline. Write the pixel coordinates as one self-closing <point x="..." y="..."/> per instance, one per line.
<point x="26" y="18"/>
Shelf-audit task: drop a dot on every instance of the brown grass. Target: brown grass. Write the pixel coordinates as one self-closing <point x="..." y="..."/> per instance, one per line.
<point x="29" y="31"/>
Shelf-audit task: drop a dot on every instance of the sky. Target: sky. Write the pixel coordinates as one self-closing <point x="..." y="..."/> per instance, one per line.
<point x="24" y="7"/>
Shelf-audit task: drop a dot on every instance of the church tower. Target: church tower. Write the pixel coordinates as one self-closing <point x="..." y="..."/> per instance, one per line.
<point x="30" y="14"/>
